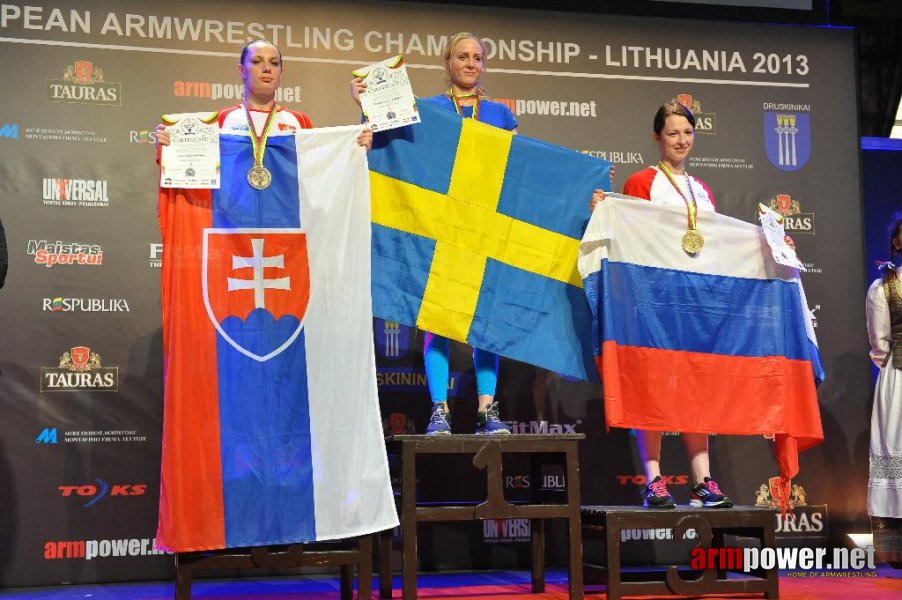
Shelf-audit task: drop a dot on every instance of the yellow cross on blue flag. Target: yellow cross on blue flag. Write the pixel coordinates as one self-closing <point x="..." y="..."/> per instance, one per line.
<point x="476" y="233"/>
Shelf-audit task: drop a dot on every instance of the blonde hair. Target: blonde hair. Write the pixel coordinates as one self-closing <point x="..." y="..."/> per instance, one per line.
<point x="449" y="49"/>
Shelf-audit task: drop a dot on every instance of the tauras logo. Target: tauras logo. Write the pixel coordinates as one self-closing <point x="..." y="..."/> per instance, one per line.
<point x="60" y="304"/>
<point x="83" y="83"/>
<point x="704" y="122"/>
<point x="74" y="192"/>
<point x="65" y="253"/>
<point x="803" y="520"/>
<point x="80" y="370"/>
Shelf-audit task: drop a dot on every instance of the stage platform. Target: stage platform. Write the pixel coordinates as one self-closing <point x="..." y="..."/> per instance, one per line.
<point x="884" y="584"/>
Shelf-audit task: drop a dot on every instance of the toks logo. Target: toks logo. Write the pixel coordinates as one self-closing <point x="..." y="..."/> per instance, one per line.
<point x="80" y="370"/>
<point x="95" y="493"/>
<point x="75" y="192"/>
<point x="794" y="220"/>
<point x="704" y="122"/>
<point x="65" y="253"/>
<point x="83" y="83"/>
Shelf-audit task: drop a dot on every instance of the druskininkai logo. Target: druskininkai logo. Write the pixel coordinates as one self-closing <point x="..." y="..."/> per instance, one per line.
<point x="83" y="83"/>
<point x="80" y="370"/>
<point x="787" y="135"/>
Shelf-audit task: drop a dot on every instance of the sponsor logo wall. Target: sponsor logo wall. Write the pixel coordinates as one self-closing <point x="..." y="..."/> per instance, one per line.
<point x="79" y="209"/>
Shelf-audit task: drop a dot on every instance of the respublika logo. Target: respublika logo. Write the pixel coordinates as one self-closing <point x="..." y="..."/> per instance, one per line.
<point x="65" y="253"/>
<point x="787" y="135"/>
<point x="100" y="489"/>
<point x="392" y="339"/>
<point x="794" y="220"/>
<point x="704" y="122"/>
<point x="83" y="83"/>
<point x="142" y="136"/>
<point x="9" y="131"/>
<point x="80" y="370"/>
<point x="622" y="157"/>
<point x="60" y="304"/>
<point x="86" y="193"/>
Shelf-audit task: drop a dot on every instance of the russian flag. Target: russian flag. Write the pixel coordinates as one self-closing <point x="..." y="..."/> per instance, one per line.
<point x="271" y="430"/>
<point x="716" y="342"/>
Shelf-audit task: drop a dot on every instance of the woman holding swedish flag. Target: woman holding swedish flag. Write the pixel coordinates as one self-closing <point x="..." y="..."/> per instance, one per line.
<point x="465" y="64"/>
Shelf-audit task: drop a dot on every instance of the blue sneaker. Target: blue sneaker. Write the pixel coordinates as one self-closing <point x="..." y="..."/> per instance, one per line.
<point x="487" y="421"/>
<point x="438" y="422"/>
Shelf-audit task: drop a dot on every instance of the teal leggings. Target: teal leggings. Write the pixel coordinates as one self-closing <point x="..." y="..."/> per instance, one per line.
<point x="436" y="350"/>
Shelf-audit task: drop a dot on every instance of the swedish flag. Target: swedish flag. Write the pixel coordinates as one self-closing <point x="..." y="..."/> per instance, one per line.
<point x="475" y="237"/>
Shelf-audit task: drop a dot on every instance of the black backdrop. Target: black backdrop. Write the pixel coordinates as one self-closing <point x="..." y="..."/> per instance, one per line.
<point x="85" y="83"/>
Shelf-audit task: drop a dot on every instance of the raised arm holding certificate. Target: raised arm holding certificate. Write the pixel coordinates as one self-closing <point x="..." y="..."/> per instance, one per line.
<point x="389" y="102"/>
<point x="191" y="159"/>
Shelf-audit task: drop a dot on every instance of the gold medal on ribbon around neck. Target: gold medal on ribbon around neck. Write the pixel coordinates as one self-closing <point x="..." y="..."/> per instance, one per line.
<point x="259" y="177"/>
<point x="693" y="241"/>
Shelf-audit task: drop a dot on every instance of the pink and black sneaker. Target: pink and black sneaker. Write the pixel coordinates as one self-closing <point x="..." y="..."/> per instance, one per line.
<point x="657" y="496"/>
<point x="708" y="495"/>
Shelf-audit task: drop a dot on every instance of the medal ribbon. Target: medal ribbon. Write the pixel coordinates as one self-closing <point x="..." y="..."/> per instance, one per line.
<point x="691" y="207"/>
<point x="259" y="142"/>
<point x="456" y="101"/>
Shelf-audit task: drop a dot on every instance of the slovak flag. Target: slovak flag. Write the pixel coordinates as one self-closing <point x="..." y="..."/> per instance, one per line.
<point x="716" y="342"/>
<point x="271" y="429"/>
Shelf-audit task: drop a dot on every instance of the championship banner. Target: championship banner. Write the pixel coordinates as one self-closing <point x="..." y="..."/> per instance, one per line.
<point x="271" y="431"/>
<point x="714" y="342"/>
<point x="475" y="237"/>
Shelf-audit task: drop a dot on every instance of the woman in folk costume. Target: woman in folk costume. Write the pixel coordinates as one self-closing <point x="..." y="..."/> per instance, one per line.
<point x="884" y="314"/>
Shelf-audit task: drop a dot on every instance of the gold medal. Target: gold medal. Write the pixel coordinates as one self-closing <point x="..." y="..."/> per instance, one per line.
<point x="259" y="177"/>
<point x="693" y="241"/>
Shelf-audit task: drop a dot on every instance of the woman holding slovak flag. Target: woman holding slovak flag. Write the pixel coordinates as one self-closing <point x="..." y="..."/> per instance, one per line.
<point x="260" y="68"/>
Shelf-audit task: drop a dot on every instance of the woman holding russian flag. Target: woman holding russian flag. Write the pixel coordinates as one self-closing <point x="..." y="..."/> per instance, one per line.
<point x="669" y="183"/>
<point x="884" y="312"/>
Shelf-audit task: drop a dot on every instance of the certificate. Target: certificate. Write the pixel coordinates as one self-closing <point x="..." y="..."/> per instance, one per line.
<point x="191" y="160"/>
<point x="773" y="231"/>
<point x="388" y="102"/>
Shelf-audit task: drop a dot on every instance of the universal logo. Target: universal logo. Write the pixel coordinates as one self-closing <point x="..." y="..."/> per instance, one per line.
<point x="506" y="530"/>
<point x="83" y="83"/>
<point x="89" y="193"/>
<point x="704" y="122"/>
<point x="80" y="370"/>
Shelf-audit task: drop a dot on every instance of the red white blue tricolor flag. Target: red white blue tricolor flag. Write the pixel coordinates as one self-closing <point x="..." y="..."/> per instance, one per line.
<point x="271" y="431"/>
<point x="717" y="342"/>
